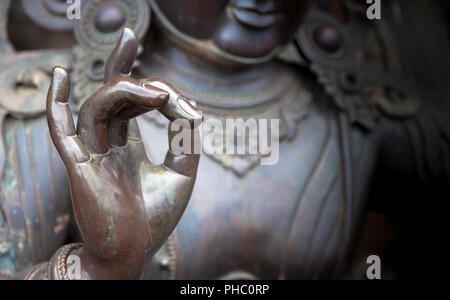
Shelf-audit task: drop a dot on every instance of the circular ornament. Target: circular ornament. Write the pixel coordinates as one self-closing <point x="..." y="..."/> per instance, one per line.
<point x="50" y="14"/>
<point x="325" y="41"/>
<point x="102" y="22"/>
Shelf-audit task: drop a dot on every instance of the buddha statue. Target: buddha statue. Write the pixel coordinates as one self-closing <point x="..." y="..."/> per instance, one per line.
<point x="353" y="122"/>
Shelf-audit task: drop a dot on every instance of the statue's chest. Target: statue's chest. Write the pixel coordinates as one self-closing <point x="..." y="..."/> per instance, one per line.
<point x="286" y="220"/>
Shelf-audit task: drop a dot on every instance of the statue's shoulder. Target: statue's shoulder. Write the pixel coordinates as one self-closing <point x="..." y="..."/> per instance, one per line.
<point x="377" y="72"/>
<point x="361" y="66"/>
<point x="24" y="72"/>
<point x="59" y="33"/>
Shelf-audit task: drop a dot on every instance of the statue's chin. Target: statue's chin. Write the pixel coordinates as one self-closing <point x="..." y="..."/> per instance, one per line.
<point x="244" y="42"/>
<point x="231" y="44"/>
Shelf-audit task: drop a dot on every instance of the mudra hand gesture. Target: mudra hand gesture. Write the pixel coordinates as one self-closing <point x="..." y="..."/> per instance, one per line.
<point x="125" y="206"/>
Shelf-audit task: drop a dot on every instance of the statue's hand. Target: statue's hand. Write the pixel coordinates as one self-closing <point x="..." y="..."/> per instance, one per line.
<point x="125" y="207"/>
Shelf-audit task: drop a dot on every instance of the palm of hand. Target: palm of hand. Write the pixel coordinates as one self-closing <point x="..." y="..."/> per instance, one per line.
<point x="125" y="207"/>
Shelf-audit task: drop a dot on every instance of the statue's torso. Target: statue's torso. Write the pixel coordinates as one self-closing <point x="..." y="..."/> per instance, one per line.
<point x="287" y="220"/>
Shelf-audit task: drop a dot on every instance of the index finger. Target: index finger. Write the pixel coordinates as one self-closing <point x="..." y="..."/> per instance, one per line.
<point x="105" y="115"/>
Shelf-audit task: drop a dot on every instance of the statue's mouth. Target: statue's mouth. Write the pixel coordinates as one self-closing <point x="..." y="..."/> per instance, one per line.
<point x="254" y="17"/>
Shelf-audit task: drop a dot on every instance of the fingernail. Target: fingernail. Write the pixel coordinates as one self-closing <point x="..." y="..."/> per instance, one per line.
<point x="164" y="95"/>
<point x="59" y="73"/>
<point x="128" y="34"/>
<point x="60" y="84"/>
<point x="189" y="109"/>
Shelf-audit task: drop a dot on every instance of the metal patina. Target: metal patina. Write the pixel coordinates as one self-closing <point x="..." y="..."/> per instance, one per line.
<point x="362" y="108"/>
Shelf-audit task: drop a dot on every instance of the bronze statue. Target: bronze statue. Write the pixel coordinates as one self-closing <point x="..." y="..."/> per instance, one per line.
<point x="347" y="102"/>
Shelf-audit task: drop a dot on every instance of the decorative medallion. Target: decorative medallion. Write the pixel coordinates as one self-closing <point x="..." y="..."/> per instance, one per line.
<point x="102" y="22"/>
<point x="25" y="77"/>
<point x="50" y="14"/>
<point x="97" y="32"/>
<point x="326" y="41"/>
<point x="348" y="61"/>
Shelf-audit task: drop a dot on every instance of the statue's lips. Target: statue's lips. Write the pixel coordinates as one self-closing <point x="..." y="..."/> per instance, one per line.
<point x="255" y="19"/>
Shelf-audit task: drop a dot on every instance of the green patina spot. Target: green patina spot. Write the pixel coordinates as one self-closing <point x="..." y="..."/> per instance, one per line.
<point x="111" y="237"/>
<point x="9" y="182"/>
<point x="8" y="261"/>
<point x="171" y="194"/>
<point x="104" y="202"/>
